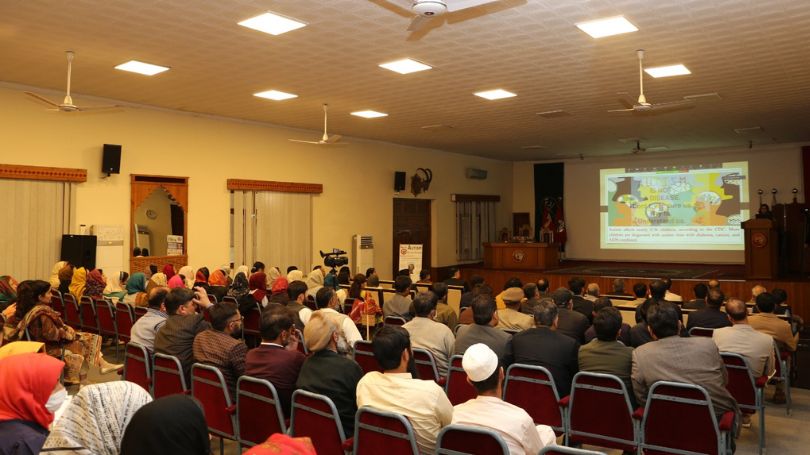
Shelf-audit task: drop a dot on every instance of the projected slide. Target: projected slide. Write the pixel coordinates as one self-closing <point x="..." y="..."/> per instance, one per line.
<point x="677" y="207"/>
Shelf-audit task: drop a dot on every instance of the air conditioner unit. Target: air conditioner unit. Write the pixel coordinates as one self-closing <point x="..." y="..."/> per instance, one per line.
<point x="362" y="252"/>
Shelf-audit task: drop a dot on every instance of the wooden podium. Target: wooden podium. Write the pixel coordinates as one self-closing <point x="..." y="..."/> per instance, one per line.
<point x="761" y="249"/>
<point x="539" y="256"/>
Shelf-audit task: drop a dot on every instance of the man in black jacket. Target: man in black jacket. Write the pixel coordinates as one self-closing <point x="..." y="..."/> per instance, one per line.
<point x="571" y="322"/>
<point x="580" y="303"/>
<point x="711" y="317"/>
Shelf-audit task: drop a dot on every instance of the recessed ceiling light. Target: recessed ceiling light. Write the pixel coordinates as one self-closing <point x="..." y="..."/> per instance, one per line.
<point x="272" y="23"/>
<point x="667" y="71"/>
<point x="405" y="66"/>
<point x="496" y="94"/>
<point x="275" y="95"/>
<point x="147" y="69"/>
<point x="369" y="114"/>
<point x="610" y="26"/>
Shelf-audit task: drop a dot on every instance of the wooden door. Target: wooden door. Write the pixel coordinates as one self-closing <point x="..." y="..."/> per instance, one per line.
<point x="411" y="226"/>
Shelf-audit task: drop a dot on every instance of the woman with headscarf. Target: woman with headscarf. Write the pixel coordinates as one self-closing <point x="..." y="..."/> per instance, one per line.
<point x="95" y="420"/>
<point x="344" y="276"/>
<point x="54" y="279"/>
<point x="78" y="283"/>
<point x="116" y="288"/>
<point x="95" y="284"/>
<point x="168" y="270"/>
<point x="187" y="274"/>
<point x="136" y="290"/>
<point x="331" y="281"/>
<point x="218" y="283"/>
<point x="157" y="280"/>
<point x="176" y="282"/>
<point x="30" y="393"/>
<point x="240" y="287"/>
<point x="258" y="288"/>
<point x="314" y="281"/>
<point x="201" y="279"/>
<point x="8" y="291"/>
<point x="295" y="275"/>
<point x="281" y="444"/>
<point x="272" y="275"/>
<point x="279" y="291"/>
<point x="365" y="310"/>
<point x="173" y="425"/>
<point x="65" y="277"/>
<point x="35" y="316"/>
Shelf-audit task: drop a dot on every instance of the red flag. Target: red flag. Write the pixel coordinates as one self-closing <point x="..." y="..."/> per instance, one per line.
<point x="561" y="236"/>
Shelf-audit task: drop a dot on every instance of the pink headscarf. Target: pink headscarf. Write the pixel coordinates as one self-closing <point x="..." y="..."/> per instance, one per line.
<point x="176" y="282"/>
<point x="168" y="270"/>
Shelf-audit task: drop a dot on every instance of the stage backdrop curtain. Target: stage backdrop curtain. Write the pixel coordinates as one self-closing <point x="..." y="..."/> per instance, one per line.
<point x="475" y="225"/>
<point x="37" y="214"/>
<point x="272" y="227"/>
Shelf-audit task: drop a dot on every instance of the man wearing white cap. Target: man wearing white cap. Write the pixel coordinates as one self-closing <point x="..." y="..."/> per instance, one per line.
<point x="488" y="410"/>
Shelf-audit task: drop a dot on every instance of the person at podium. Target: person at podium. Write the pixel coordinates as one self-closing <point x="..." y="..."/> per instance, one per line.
<point x="764" y="212"/>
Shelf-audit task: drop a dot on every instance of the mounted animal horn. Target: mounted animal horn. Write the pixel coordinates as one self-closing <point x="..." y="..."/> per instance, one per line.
<point x="420" y="184"/>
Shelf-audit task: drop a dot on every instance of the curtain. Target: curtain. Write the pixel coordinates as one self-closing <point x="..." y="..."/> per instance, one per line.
<point x="37" y="214"/>
<point x="475" y="225"/>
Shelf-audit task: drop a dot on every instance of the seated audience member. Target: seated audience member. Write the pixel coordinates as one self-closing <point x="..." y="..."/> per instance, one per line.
<point x="605" y="354"/>
<point x="579" y="303"/>
<point x="670" y="296"/>
<point x="742" y="339"/>
<point x="278" y="444"/>
<point x="168" y="270"/>
<point x="34" y="315"/>
<point x="257" y="287"/>
<point x="640" y="294"/>
<point x="422" y="402"/>
<point x="640" y="333"/>
<point x="484" y="331"/>
<point x="78" y="283"/>
<point x="116" y="287"/>
<point x="400" y="304"/>
<point x="455" y="279"/>
<point x="467" y="297"/>
<point x="466" y="317"/>
<point x="372" y="278"/>
<point x="146" y="327"/>
<point x="425" y="333"/>
<point x="531" y="297"/>
<point x="344" y="275"/>
<point x="591" y="292"/>
<point x="571" y="323"/>
<point x="218" y="284"/>
<point x="713" y="284"/>
<point x="658" y="290"/>
<point x="95" y="284"/>
<point x="545" y="346"/>
<point x="693" y="360"/>
<point x="767" y="322"/>
<point x="201" y="279"/>
<point x="187" y="273"/>
<point x="54" y="277"/>
<point x="755" y="291"/>
<point x="220" y="345"/>
<point x="258" y="266"/>
<point x="331" y="281"/>
<point x="327" y="302"/>
<point x="365" y="310"/>
<point x="277" y="358"/>
<point x="711" y="317"/>
<point x="513" y="282"/>
<point x="699" y="302"/>
<point x="240" y="287"/>
<point x="424" y="276"/>
<point x="172" y="425"/>
<point x="157" y="280"/>
<point x="510" y="318"/>
<point x="95" y="420"/>
<point x="542" y="286"/>
<point x="618" y="287"/>
<point x="293" y="274"/>
<point x="176" y="337"/>
<point x="624" y="331"/>
<point x="326" y="372"/>
<point x="371" y="271"/>
<point x="488" y="410"/>
<point x="444" y="313"/>
<point x="273" y="274"/>
<point x="30" y="393"/>
<point x="8" y="291"/>
<point x="279" y="291"/>
<point x="136" y="290"/>
<point x="65" y="277"/>
<point x="297" y="293"/>
<point x="314" y="281"/>
<point x="176" y="282"/>
<point x="781" y="308"/>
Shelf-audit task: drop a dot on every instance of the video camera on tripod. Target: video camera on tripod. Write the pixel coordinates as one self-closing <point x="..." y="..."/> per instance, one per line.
<point x="334" y="259"/>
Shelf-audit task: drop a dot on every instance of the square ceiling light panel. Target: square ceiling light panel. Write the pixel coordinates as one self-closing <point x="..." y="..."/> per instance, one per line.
<point x="272" y="23"/>
<point x="275" y="95"/>
<point x="601" y="28"/>
<point x="405" y="66"/>
<point x="369" y="114"/>
<point x="667" y="71"/>
<point x="147" y="69"/>
<point x="497" y="94"/>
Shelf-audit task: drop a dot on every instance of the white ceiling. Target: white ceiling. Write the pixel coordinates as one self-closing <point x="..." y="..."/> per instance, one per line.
<point x="754" y="53"/>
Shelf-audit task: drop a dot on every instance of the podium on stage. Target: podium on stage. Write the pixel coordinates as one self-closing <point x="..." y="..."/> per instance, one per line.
<point x="761" y="249"/>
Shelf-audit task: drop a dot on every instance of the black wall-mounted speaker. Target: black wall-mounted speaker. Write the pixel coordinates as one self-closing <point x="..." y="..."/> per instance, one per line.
<point x="79" y="250"/>
<point x="399" y="181"/>
<point x="111" y="159"/>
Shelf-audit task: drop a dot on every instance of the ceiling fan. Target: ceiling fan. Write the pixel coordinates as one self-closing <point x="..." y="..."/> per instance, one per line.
<point x="325" y="139"/>
<point x="424" y="11"/>
<point x="67" y="104"/>
<point x="642" y="105"/>
<point x="635" y="150"/>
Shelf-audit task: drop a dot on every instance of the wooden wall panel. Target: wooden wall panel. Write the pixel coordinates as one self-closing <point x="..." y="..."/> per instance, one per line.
<point x="279" y="187"/>
<point x="53" y="174"/>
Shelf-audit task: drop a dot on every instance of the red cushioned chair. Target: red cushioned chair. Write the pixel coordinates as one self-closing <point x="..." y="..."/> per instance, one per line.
<point x="562" y="450"/>
<point x="782" y="374"/>
<point x="679" y="419"/>
<point x="701" y="332"/>
<point x="124" y="318"/>
<point x="364" y="356"/>
<point x="302" y="345"/>
<point x="599" y="413"/>
<point x="138" y="311"/>
<point x="72" y="317"/>
<point x="87" y="315"/>
<point x="315" y="416"/>
<point x="105" y="315"/>
<point x="457" y="388"/>
<point x="377" y="432"/>
<point x="212" y="298"/>
<point x="167" y="376"/>
<point x="426" y="365"/>
<point x="137" y="365"/>
<point x="746" y="389"/>
<point x="258" y="411"/>
<point x="394" y="320"/>
<point x="231" y="299"/>
<point x="468" y="440"/>
<point x="56" y="302"/>
<point x="209" y="388"/>
<point x="252" y="322"/>
<point x="532" y="388"/>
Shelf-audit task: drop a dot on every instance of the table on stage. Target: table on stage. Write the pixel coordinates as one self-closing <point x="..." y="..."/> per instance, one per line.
<point x="521" y="255"/>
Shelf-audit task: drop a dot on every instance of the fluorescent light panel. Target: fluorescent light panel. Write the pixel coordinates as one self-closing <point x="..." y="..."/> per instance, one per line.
<point x="369" y="114"/>
<point x="147" y="69"/>
<point x="275" y="95"/>
<point x="609" y="26"/>
<point x="667" y="71"/>
<point x="496" y="94"/>
<point x="272" y="23"/>
<point x="405" y="66"/>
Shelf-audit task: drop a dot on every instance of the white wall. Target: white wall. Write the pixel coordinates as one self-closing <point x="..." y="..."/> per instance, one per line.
<point x="357" y="179"/>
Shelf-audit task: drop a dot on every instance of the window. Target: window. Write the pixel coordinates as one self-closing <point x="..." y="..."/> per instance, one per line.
<point x="475" y="225"/>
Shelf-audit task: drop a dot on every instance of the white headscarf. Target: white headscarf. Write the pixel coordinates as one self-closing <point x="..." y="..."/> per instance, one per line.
<point x="295" y="275"/>
<point x="188" y="273"/>
<point x="55" y="273"/>
<point x="242" y="269"/>
<point x="273" y="273"/>
<point x="315" y="279"/>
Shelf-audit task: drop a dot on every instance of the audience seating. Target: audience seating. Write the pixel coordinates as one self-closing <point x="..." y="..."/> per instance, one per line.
<point x="231" y="299"/>
<point x="258" y="411"/>
<point x="454" y="298"/>
<point x="563" y="450"/>
<point x="701" y="332"/>
<point x="469" y="440"/>
<point x="426" y="365"/>
<point x="394" y="320"/>
<point x="457" y="388"/>
<point x="138" y="311"/>
<point x="87" y="315"/>
<point x="364" y="356"/>
<point x="315" y="416"/>
<point x="377" y="432"/>
<point x="56" y="302"/>
<point x="209" y="388"/>
<point x="137" y="365"/>
<point x="252" y="322"/>
<point x="212" y="298"/>
<point x="599" y="412"/>
<point x="167" y="376"/>
<point x="105" y="316"/>
<point x="679" y="419"/>
<point x="124" y="318"/>
<point x="782" y="373"/>
<point x="302" y="345"/>
<point x="747" y="390"/>
<point x="71" y="317"/>
<point x="532" y="388"/>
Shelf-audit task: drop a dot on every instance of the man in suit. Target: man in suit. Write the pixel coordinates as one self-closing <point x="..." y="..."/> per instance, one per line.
<point x="699" y="302"/>
<point x="455" y="279"/>
<point x="579" y="303"/>
<point x="711" y="317"/>
<point x="605" y="354"/>
<point x="531" y="297"/>
<point x="692" y="360"/>
<point x="546" y="347"/>
<point x="571" y="323"/>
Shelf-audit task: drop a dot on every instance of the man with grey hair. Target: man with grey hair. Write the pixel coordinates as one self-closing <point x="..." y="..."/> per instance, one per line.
<point x="591" y="292"/>
<point x="572" y="323"/>
<point x="755" y="291"/>
<point x="543" y="345"/>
